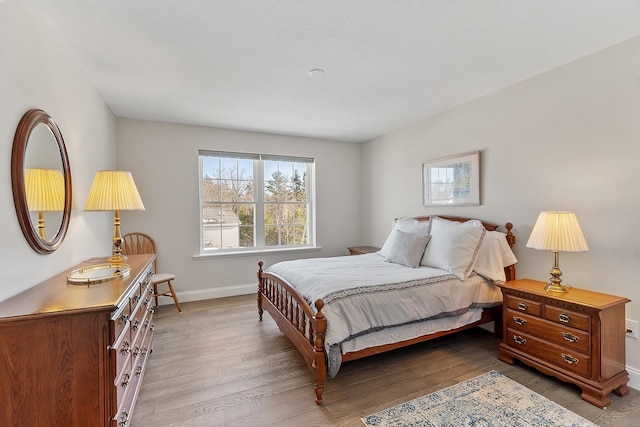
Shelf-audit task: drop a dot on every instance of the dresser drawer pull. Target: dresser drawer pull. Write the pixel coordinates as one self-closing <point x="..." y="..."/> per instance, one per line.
<point x="522" y="306"/>
<point x="136" y="351"/>
<point x="135" y="299"/>
<point x="519" y="320"/>
<point x="125" y="347"/>
<point x="124" y="419"/>
<point x="519" y="340"/>
<point x="569" y="359"/>
<point x="139" y="370"/>
<point x="123" y="318"/>
<point x="564" y="318"/>
<point x="570" y="337"/>
<point x="136" y="325"/>
<point x="125" y="380"/>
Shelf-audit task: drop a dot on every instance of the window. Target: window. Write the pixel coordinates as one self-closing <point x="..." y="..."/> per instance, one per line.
<point x="255" y="201"/>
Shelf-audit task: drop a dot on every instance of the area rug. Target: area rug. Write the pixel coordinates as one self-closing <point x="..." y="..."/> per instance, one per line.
<point x="488" y="400"/>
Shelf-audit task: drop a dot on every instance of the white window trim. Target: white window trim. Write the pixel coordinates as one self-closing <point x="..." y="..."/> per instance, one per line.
<point x="259" y="201"/>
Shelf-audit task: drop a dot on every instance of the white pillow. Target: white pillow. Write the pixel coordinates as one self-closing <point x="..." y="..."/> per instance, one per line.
<point x="493" y="256"/>
<point x="407" y="248"/>
<point x="453" y="246"/>
<point x="408" y="225"/>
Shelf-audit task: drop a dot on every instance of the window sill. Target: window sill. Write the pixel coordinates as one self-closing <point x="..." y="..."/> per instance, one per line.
<point x="222" y="254"/>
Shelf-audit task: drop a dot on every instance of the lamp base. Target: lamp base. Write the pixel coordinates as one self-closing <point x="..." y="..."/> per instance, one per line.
<point x="553" y="287"/>
<point x="117" y="258"/>
<point x="555" y="284"/>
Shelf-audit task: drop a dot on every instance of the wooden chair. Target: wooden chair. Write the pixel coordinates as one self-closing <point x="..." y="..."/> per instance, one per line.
<point x="141" y="243"/>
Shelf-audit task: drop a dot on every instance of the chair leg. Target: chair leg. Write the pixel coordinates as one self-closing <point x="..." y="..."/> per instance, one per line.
<point x="155" y="293"/>
<point x="174" y="296"/>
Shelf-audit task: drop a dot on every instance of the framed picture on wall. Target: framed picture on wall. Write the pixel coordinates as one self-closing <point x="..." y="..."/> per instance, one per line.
<point x="452" y="180"/>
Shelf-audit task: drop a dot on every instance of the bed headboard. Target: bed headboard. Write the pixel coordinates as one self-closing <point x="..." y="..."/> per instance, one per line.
<point x="510" y="271"/>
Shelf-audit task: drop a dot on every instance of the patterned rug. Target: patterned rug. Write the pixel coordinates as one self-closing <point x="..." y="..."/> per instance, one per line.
<point x="488" y="400"/>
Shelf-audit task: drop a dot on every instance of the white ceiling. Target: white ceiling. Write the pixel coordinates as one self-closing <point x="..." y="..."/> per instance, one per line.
<point x="244" y="64"/>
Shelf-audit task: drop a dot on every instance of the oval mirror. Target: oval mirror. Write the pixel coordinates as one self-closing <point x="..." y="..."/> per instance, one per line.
<point x="41" y="181"/>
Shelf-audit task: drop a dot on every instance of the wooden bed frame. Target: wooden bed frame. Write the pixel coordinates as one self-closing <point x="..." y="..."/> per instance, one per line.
<point x="306" y="327"/>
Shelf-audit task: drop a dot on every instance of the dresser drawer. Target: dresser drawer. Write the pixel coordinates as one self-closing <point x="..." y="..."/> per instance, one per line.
<point x="122" y="351"/>
<point x="137" y="317"/>
<point x="523" y="305"/>
<point x="560" y="356"/>
<point x="121" y="318"/>
<point x="567" y="317"/>
<point x="570" y="338"/>
<point x="122" y="384"/>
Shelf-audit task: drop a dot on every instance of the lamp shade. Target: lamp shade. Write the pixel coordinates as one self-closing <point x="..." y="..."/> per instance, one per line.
<point x="558" y="232"/>
<point x="44" y="189"/>
<point x="113" y="191"/>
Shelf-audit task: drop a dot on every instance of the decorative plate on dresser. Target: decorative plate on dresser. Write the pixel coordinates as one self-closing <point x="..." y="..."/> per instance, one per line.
<point x="74" y="355"/>
<point x="578" y="336"/>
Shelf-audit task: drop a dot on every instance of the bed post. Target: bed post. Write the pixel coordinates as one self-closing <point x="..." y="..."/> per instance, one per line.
<point x="510" y="271"/>
<point x="319" y="363"/>
<point x="260" y="288"/>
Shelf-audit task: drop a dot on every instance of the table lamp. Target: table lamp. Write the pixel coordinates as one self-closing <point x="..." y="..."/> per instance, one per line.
<point x="45" y="193"/>
<point x="557" y="232"/>
<point x="114" y="191"/>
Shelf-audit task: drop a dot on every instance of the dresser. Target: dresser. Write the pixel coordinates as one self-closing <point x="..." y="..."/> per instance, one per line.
<point x="361" y="250"/>
<point x="75" y="355"/>
<point x="577" y="336"/>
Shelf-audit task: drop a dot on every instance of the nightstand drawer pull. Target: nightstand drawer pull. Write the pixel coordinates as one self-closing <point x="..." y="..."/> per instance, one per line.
<point x="564" y="317"/>
<point x="522" y="306"/>
<point x="570" y="337"/>
<point x="569" y="359"/>
<point x="519" y="320"/>
<point x="519" y="340"/>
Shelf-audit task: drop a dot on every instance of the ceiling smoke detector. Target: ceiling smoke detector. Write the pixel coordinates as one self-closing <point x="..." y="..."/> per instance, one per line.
<point x="316" y="73"/>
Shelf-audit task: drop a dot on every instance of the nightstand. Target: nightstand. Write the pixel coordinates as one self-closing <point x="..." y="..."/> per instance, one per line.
<point x="577" y="336"/>
<point x="360" y="250"/>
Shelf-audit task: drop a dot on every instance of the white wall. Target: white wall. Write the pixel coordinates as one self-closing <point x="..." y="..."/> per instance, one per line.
<point x="37" y="73"/>
<point x="163" y="159"/>
<point x="568" y="139"/>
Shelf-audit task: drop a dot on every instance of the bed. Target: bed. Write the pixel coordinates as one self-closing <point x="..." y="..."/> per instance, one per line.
<point x="433" y="276"/>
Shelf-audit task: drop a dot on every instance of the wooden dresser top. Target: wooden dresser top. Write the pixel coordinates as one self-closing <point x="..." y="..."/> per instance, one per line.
<point x="55" y="296"/>
<point x="575" y="295"/>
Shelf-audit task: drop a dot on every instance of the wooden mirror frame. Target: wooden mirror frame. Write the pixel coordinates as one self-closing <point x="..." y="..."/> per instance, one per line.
<point x="27" y="123"/>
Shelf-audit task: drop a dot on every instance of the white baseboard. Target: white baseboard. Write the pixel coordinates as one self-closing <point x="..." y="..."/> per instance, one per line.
<point x="225" y="291"/>
<point x="634" y="377"/>
<point x="230" y="291"/>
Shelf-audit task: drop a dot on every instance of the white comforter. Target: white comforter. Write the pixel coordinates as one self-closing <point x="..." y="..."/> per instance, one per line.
<point x="365" y="294"/>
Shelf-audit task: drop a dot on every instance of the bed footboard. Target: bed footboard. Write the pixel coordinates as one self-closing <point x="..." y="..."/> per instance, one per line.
<point x="298" y="321"/>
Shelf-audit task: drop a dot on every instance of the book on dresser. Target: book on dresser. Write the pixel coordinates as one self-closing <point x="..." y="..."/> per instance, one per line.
<point x="577" y="336"/>
<point x="75" y="355"/>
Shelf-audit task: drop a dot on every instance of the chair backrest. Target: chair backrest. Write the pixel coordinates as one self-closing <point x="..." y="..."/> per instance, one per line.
<point x="137" y="243"/>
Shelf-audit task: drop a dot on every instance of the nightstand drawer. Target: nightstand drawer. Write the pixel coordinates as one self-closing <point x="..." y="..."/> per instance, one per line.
<point x="570" y="338"/>
<point x="557" y="355"/>
<point x="524" y="305"/>
<point x="566" y="317"/>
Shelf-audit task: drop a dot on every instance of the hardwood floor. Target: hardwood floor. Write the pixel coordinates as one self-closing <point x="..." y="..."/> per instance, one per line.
<point x="216" y="364"/>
